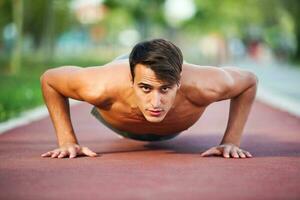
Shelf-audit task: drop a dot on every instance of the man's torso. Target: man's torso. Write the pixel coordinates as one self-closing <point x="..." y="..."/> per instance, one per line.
<point x="121" y="113"/>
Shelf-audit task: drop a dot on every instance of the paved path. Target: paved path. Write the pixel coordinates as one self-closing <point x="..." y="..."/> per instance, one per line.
<point x="279" y="83"/>
<point x="173" y="169"/>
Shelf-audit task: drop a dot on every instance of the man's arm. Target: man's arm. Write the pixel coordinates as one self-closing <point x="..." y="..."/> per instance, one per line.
<point x="58" y="85"/>
<point x="240" y="87"/>
<point x="241" y="94"/>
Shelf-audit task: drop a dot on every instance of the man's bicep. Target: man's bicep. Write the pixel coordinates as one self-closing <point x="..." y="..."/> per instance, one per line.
<point x="69" y="81"/>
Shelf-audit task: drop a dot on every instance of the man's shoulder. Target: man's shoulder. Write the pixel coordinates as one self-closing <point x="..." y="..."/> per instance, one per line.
<point x="103" y="83"/>
<point x="112" y="72"/>
<point x="203" y="84"/>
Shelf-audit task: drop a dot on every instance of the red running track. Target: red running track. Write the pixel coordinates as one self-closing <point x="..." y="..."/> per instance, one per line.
<point x="172" y="169"/>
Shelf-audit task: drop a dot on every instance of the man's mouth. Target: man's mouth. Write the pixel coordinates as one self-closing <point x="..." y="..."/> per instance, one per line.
<point x="155" y="113"/>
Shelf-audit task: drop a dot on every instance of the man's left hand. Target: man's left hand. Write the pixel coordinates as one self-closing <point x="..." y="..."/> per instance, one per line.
<point x="227" y="151"/>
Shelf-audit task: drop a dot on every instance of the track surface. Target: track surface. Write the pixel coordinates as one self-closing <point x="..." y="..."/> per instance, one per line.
<point x="172" y="169"/>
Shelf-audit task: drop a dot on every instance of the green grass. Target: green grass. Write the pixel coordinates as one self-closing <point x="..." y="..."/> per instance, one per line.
<point x="22" y="91"/>
<point x="18" y="93"/>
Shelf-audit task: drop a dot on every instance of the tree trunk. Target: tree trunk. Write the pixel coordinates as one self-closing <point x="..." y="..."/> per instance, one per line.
<point x="297" y="33"/>
<point x="15" y="63"/>
<point x="48" y="32"/>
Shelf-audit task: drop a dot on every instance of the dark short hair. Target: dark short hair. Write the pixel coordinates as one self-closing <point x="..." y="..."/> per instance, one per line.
<point x="160" y="55"/>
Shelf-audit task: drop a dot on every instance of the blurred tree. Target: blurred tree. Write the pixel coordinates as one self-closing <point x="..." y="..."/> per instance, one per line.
<point x="45" y="20"/>
<point x="48" y="32"/>
<point x="293" y="7"/>
<point x="144" y="13"/>
<point x="115" y="20"/>
<point x="228" y="17"/>
<point x="5" y="16"/>
<point x="39" y="19"/>
<point x="251" y="20"/>
<point x="17" y="49"/>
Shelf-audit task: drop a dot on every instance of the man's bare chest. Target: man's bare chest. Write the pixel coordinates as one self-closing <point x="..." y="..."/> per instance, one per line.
<point x="130" y="119"/>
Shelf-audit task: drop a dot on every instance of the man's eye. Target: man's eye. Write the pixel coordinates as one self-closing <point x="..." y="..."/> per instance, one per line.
<point x="166" y="89"/>
<point x="145" y="89"/>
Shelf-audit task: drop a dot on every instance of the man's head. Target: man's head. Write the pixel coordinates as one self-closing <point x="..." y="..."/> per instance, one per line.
<point x="156" y="67"/>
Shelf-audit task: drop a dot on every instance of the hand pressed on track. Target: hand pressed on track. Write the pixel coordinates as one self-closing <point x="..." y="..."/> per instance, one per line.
<point x="69" y="150"/>
<point x="227" y="150"/>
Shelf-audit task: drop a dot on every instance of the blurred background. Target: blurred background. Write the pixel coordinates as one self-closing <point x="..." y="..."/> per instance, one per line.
<point x="260" y="35"/>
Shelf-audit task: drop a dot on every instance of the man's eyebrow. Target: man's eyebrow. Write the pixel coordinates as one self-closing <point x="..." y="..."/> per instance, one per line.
<point x="144" y="84"/>
<point x="168" y="85"/>
<point x="150" y="86"/>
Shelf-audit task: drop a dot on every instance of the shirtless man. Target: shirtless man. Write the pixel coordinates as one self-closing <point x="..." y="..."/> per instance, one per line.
<point x="153" y="96"/>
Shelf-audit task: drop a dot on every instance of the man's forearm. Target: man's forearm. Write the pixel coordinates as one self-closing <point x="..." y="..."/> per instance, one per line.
<point x="240" y="107"/>
<point x="59" y="110"/>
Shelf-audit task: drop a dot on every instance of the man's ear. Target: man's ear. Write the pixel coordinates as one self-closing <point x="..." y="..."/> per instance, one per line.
<point x="132" y="82"/>
<point x="179" y="84"/>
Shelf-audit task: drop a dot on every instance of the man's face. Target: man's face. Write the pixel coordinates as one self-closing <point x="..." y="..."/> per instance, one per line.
<point x="153" y="97"/>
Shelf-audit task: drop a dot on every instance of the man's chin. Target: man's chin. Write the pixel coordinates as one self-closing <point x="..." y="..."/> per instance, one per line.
<point x="154" y="119"/>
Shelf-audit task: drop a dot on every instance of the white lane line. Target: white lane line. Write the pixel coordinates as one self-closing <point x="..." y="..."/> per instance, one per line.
<point x="29" y="116"/>
<point x="278" y="101"/>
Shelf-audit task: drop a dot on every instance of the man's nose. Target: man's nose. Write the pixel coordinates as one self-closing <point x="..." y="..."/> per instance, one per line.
<point x="156" y="100"/>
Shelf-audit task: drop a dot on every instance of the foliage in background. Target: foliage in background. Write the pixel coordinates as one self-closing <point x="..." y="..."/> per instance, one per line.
<point x="293" y="7"/>
<point x="46" y="21"/>
<point x="22" y="91"/>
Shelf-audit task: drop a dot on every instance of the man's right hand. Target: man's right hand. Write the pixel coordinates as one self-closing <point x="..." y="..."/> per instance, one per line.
<point x="69" y="150"/>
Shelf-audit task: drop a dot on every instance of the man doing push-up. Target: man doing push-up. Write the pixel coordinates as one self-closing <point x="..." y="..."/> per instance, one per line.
<point x="152" y="95"/>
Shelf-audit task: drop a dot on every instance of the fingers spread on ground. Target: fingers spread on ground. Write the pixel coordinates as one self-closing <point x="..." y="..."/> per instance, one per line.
<point x="212" y="151"/>
<point x="206" y="153"/>
<point x="62" y="154"/>
<point x="55" y="154"/>
<point x="226" y="152"/>
<point x="72" y="153"/>
<point x="247" y="154"/>
<point x="241" y="154"/>
<point x="46" y="154"/>
<point x="88" y="152"/>
<point x="234" y="153"/>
